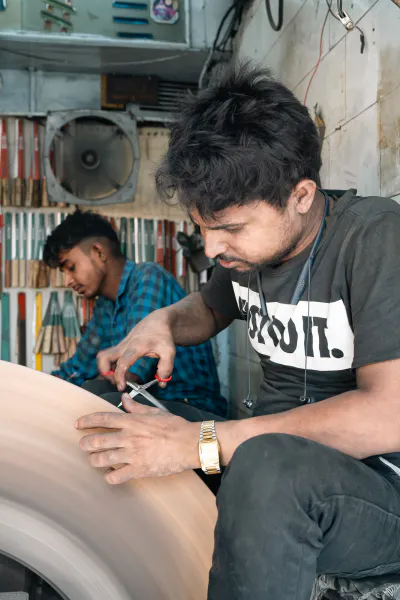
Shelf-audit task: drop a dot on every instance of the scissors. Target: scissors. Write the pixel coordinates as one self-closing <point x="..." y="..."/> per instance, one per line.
<point x="142" y="389"/>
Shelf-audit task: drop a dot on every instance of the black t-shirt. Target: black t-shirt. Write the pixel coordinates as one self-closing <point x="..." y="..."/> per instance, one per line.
<point x="353" y="317"/>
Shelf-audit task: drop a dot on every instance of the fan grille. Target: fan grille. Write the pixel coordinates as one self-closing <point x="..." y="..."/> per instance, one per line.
<point x="91" y="158"/>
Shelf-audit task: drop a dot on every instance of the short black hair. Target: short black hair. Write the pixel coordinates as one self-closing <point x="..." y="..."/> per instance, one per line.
<point x="76" y="228"/>
<point x="244" y="137"/>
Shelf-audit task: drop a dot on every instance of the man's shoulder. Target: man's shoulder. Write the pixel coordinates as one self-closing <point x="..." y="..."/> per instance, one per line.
<point x="369" y="227"/>
<point x="152" y="269"/>
<point x="149" y="272"/>
<point x="369" y="208"/>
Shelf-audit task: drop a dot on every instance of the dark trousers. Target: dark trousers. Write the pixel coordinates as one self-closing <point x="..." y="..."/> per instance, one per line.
<point x="107" y="391"/>
<point x="289" y="509"/>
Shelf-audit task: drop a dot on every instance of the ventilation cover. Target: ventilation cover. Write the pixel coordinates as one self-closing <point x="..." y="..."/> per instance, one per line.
<point x="167" y="107"/>
<point x="91" y="157"/>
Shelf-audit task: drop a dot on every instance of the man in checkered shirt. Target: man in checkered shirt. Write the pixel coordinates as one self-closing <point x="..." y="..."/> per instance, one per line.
<point x="86" y="248"/>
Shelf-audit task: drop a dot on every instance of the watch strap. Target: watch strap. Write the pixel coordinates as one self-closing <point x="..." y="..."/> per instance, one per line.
<point x="209" y="436"/>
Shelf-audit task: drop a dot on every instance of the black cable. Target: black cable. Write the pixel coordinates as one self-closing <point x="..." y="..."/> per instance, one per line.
<point x="305" y="397"/>
<point x="275" y="26"/>
<point x="226" y="32"/>
<point x="362" y="39"/>
<point x="329" y="5"/>
<point x="263" y="304"/>
<point x="340" y="8"/>
<point x="237" y="9"/>
<point x="248" y="401"/>
<point x="221" y="26"/>
<point x="340" y="11"/>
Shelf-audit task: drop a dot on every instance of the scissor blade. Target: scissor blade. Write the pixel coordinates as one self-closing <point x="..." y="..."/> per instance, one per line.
<point x="153" y="400"/>
<point x="136" y="388"/>
<point x="141" y="389"/>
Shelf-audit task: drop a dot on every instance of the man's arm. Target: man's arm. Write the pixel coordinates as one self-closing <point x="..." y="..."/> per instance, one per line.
<point x="361" y="423"/>
<point x="192" y="322"/>
<point x="189" y="322"/>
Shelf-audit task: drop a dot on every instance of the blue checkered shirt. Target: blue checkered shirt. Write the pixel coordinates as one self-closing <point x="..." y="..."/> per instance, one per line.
<point x="142" y="289"/>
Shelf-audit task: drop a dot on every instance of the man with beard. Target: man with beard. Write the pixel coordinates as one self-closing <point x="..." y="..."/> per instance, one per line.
<point x="86" y="248"/>
<point x="312" y="480"/>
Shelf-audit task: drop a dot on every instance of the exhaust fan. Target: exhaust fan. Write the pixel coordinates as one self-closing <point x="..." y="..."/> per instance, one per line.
<point x="91" y="157"/>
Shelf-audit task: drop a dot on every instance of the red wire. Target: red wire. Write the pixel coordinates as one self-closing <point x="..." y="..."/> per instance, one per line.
<point x="320" y="54"/>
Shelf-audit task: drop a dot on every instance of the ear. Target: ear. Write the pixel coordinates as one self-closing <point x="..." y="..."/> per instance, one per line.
<point x="99" y="251"/>
<point x="303" y="195"/>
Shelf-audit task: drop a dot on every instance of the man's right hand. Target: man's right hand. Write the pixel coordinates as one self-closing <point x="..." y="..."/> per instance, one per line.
<point x="151" y="337"/>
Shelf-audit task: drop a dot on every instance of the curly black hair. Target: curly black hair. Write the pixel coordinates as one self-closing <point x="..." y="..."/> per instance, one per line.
<point x="245" y="137"/>
<point x="76" y="228"/>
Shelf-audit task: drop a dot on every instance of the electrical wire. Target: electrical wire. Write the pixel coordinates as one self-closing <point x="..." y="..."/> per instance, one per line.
<point x="305" y="397"/>
<point x="149" y="61"/>
<point x="275" y="26"/>
<point x="329" y="2"/>
<point x="25" y="55"/>
<point x="330" y="12"/>
<point x="247" y="401"/>
<point x="226" y="33"/>
<point x="64" y="62"/>
<point x="204" y="70"/>
<point x="220" y="45"/>
<point x="340" y="12"/>
<point x="340" y="8"/>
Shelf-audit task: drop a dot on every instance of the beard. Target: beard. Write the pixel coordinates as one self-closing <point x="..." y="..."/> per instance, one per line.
<point x="245" y="266"/>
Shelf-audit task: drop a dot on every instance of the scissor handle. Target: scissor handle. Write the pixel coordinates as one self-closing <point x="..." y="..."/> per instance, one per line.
<point x="107" y="374"/>
<point x="161" y="380"/>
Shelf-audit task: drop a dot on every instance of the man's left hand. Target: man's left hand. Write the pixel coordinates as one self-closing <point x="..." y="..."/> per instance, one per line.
<point x="145" y="442"/>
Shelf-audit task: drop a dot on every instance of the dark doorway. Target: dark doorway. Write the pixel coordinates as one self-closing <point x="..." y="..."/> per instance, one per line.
<point x="22" y="583"/>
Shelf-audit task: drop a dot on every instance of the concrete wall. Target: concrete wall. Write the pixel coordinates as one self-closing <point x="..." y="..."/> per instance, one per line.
<point x="358" y="95"/>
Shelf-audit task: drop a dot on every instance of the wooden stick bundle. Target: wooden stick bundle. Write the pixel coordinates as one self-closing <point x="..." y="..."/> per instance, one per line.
<point x="18" y="191"/>
<point x="14" y="251"/>
<point x="36" y="196"/>
<point x="51" y="339"/>
<point x="23" y="223"/>
<point x="8" y="244"/>
<point x="4" y="175"/>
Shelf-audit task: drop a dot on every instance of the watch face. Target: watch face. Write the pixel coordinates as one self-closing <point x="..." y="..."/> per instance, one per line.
<point x="209" y="454"/>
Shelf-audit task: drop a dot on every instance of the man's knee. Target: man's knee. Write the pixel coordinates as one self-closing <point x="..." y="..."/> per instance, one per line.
<point x="272" y="465"/>
<point x="98" y="386"/>
<point x="114" y="398"/>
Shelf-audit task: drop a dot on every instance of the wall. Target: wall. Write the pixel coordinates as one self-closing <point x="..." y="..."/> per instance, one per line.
<point x="36" y="93"/>
<point x="358" y="95"/>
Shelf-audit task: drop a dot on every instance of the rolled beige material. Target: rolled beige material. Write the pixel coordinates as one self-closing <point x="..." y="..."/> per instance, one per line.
<point x="45" y="197"/>
<point x="29" y="192"/>
<point x="6" y="193"/>
<point x="150" y="539"/>
<point x="17" y="191"/>
<point x="15" y="273"/>
<point x="22" y="273"/>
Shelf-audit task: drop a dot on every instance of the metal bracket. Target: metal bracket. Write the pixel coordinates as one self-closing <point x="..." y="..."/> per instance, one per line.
<point x="345" y="20"/>
<point x="49" y="16"/>
<point x="66" y="6"/>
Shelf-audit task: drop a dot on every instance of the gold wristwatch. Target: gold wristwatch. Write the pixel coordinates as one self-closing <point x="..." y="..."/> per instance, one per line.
<point x="209" y="448"/>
